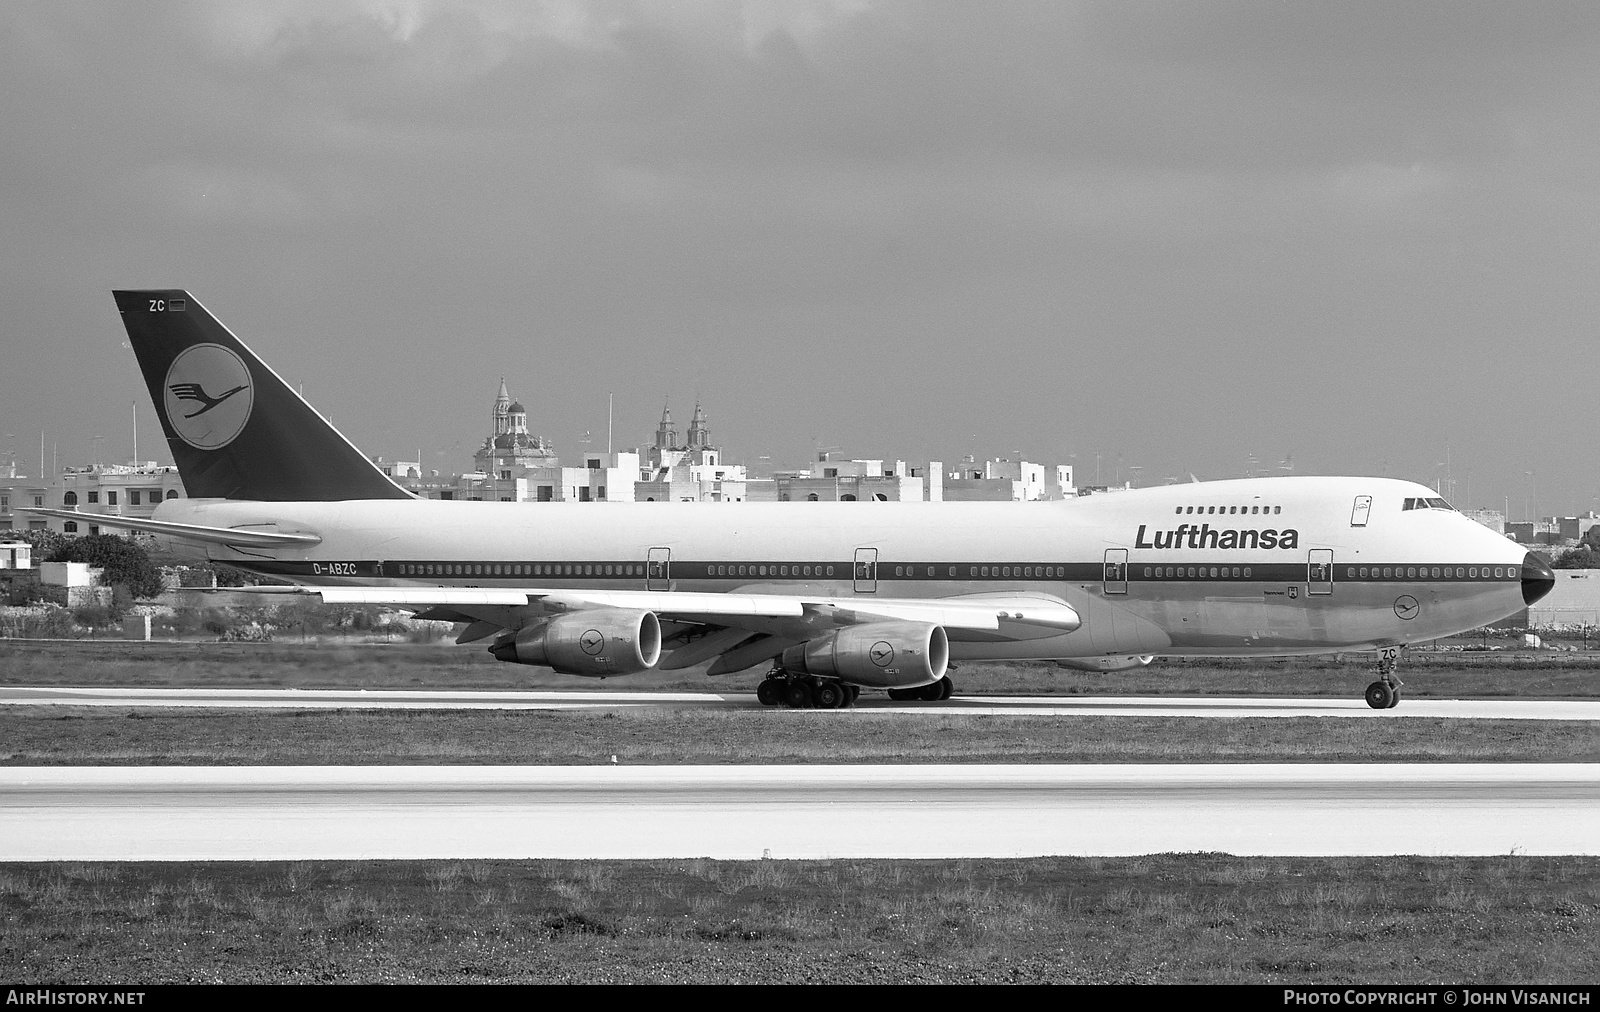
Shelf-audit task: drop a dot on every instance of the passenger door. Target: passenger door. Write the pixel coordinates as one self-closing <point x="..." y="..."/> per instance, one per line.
<point x="658" y="570"/>
<point x="866" y="571"/>
<point x="1319" y="571"/>
<point x="1114" y="579"/>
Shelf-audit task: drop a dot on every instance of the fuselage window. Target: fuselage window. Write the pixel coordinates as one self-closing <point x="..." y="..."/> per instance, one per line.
<point x="1498" y="572"/>
<point x="1363" y="572"/>
<point x="1472" y="574"/>
<point x="1233" y="509"/>
<point x="1247" y="572"/>
<point x="1191" y="572"/>
<point x="1178" y="510"/>
<point x="763" y="571"/>
<point x="1190" y="509"/>
<point x="1435" y="572"/>
<point x="1461" y="573"/>
<point x="830" y="571"/>
<point x="1235" y="572"/>
<point x="1210" y="510"/>
<point x="1147" y="571"/>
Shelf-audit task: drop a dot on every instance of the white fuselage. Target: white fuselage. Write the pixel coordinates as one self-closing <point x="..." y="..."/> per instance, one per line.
<point x="1250" y="566"/>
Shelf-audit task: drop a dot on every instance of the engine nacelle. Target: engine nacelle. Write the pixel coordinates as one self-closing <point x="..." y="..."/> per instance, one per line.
<point x="882" y="654"/>
<point x="1126" y="662"/>
<point x="597" y="641"/>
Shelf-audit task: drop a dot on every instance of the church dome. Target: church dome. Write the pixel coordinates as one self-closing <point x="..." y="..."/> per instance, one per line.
<point x="516" y="408"/>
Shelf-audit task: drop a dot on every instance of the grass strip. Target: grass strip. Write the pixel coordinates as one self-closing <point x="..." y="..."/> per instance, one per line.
<point x="343" y="664"/>
<point x="1164" y="919"/>
<point x="32" y="736"/>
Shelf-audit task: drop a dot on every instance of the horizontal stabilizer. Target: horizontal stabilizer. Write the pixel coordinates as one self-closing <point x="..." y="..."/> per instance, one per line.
<point x="187" y="532"/>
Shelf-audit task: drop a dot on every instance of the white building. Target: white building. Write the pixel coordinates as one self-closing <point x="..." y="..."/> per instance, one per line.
<point x="125" y="490"/>
<point x="688" y="471"/>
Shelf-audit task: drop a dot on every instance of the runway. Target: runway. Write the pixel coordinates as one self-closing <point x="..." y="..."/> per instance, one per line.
<point x="872" y="702"/>
<point x="303" y="813"/>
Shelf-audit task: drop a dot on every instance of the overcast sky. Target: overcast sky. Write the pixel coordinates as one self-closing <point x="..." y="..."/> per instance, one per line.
<point x="1178" y="236"/>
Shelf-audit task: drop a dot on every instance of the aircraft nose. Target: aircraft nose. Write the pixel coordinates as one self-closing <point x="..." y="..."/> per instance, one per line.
<point x="1537" y="578"/>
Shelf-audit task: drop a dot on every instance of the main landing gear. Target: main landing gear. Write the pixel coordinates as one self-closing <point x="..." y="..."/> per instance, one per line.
<point x="1384" y="694"/>
<point x="930" y="693"/>
<point x="804" y="692"/>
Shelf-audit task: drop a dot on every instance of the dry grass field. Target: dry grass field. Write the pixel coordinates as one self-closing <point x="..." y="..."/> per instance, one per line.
<point x="34" y="736"/>
<point x="1164" y="919"/>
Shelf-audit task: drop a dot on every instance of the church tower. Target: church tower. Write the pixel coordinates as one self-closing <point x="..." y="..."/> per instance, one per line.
<point x="500" y="416"/>
<point x="699" y="436"/>
<point x="666" y="435"/>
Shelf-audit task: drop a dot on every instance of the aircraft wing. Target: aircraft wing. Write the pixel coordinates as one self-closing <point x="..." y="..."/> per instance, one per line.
<point x="792" y="618"/>
<point x="977" y="613"/>
<point x="236" y="536"/>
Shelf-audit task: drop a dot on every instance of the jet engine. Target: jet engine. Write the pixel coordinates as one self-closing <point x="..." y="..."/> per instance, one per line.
<point x="1126" y="662"/>
<point x="598" y="642"/>
<point x="881" y="654"/>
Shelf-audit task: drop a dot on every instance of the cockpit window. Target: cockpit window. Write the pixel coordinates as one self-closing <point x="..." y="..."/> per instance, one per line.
<point x="1426" y="503"/>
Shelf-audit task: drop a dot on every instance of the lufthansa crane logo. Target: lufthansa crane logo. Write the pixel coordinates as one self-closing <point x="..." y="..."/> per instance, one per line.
<point x="592" y="641"/>
<point x="209" y="395"/>
<point x="882" y="654"/>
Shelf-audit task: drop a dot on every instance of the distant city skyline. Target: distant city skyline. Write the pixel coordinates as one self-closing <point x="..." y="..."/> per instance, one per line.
<point x="1355" y="236"/>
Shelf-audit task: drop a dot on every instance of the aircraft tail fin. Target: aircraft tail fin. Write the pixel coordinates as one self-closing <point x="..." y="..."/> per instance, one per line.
<point x="236" y="429"/>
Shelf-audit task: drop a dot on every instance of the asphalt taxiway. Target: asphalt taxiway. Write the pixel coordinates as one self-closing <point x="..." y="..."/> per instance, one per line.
<point x="931" y="811"/>
<point x="1108" y="706"/>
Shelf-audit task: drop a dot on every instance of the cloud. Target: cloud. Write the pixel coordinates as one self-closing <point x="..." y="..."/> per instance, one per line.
<point x="900" y="196"/>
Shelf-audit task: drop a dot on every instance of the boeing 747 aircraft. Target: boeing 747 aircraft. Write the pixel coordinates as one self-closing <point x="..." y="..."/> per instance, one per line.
<point x="833" y="597"/>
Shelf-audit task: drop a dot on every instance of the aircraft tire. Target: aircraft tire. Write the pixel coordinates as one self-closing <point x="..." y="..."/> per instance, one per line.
<point x="831" y="696"/>
<point x="1394" y="699"/>
<point x="947" y="688"/>
<point x="905" y="695"/>
<point x="1380" y="696"/>
<point x="798" y="695"/>
<point x="771" y="691"/>
<point x="932" y="692"/>
<point x="855" y="693"/>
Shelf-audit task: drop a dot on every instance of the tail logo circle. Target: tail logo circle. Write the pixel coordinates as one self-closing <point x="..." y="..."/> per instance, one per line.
<point x="209" y="395"/>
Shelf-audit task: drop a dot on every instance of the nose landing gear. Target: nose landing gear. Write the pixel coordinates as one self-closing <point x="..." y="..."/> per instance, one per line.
<point x="1384" y="694"/>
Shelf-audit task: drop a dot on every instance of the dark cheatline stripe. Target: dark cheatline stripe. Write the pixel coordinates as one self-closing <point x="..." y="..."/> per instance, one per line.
<point x="634" y="571"/>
